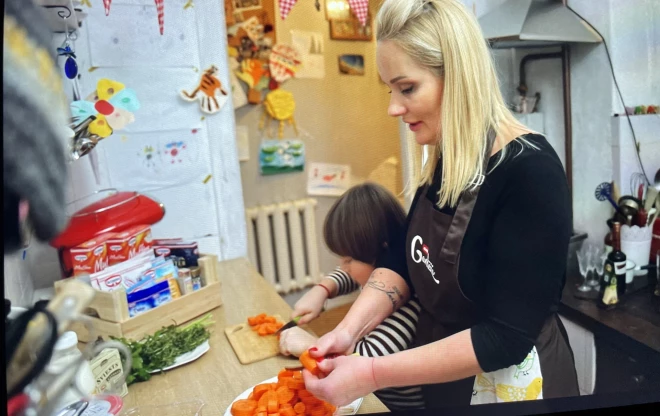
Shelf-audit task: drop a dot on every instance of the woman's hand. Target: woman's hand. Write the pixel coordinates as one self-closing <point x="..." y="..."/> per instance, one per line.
<point x="346" y="378"/>
<point x="334" y="342"/>
<point x="295" y="341"/>
<point x="309" y="306"/>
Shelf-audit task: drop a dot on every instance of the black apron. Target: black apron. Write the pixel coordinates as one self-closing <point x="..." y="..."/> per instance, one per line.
<point x="434" y="242"/>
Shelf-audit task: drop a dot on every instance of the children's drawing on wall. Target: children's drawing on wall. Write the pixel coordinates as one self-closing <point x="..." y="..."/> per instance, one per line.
<point x="310" y="47"/>
<point x="174" y="152"/>
<point x="283" y="63"/>
<point x="209" y="91"/>
<point x="351" y="64"/>
<point x="246" y="4"/>
<point x="281" y="156"/>
<point x="326" y="179"/>
<point x="148" y="157"/>
<point x="278" y="106"/>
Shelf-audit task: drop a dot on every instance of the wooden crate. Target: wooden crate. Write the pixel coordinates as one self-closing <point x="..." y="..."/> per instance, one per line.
<point x="108" y="311"/>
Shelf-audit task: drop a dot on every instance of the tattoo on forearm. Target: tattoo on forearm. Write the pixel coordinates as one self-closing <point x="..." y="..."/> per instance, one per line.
<point x="393" y="293"/>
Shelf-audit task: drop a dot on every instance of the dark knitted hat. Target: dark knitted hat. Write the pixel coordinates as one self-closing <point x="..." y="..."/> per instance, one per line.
<point x="35" y="113"/>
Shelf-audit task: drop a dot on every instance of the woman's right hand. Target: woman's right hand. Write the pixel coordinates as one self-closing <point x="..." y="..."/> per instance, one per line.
<point x="334" y="342"/>
<point x="309" y="306"/>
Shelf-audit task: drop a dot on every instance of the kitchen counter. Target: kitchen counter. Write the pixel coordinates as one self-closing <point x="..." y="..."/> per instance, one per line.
<point x="634" y="325"/>
<point x="217" y="378"/>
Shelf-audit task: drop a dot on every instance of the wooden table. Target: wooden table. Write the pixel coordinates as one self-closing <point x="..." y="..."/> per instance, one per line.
<point x="217" y="378"/>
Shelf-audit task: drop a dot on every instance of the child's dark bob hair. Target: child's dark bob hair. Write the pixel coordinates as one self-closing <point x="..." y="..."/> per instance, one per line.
<point x="363" y="222"/>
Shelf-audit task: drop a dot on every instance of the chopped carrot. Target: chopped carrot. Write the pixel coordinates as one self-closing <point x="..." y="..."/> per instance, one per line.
<point x="298" y="375"/>
<point x="285" y="373"/>
<point x="309" y="363"/>
<point x="287" y="412"/>
<point x="243" y="407"/>
<point x="262" y="409"/>
<point x="299" y="407"/>
<point x="261" y="414"/>
<point x="259" y="390"/>
<point x="284" y="394"/>
<point x="274" y="414"/>
<point x="273" y="406"/>
<point x="304" y="393"/>
<point x="317" y="411"/>
<point x="262" y="331"/>
<point x="270" y="319"/>
<point x="294" y="384"/>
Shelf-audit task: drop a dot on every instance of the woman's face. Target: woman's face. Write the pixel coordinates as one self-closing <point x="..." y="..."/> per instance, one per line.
<point x="359" y="271"/>
<point x="416" y="93"/>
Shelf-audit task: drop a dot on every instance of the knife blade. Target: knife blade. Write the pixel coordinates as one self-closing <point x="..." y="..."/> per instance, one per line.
<point x="289" y="325"/>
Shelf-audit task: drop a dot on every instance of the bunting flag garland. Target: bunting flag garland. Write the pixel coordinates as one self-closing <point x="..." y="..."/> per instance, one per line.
<point x="106" y="6"/>
<point x="160" y="8"/>
<point x="285" y="7"/>
<point x="361" y="9"/>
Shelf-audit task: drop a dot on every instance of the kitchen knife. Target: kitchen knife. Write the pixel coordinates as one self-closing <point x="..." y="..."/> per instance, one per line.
<point x="291" y="324"/>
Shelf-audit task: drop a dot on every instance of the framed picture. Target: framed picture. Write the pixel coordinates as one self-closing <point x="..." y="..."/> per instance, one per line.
<point x="351" y="64"/>
<point x="350" y="29"/>
<point x="246" y="4"/>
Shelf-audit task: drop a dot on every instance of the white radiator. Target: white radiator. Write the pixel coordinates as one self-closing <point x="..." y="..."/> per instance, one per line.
<point x="282" y="243"/>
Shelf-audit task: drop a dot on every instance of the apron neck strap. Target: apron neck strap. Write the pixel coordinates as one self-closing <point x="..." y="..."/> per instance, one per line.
<point x="452" y="245"/>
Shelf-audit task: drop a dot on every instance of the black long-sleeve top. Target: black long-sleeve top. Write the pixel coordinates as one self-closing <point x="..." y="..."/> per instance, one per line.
<point x="514" y="252"/>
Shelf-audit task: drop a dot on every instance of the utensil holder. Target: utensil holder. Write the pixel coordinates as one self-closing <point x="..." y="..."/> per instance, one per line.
<point x="636" y="244"/>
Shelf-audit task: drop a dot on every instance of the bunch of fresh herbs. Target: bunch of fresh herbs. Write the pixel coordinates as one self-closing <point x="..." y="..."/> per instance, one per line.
<point x="160" y="350"/>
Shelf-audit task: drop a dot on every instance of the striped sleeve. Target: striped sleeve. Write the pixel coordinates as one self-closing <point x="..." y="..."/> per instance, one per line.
<point x="345" y="284"/>
<point x="396" y="333"/>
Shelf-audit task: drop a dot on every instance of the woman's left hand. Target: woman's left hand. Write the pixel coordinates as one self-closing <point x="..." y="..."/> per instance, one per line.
<point x="346" y="378"/>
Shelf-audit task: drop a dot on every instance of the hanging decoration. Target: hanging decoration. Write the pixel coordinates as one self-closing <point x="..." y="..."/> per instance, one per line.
<point x="360" y="9"/>
<point x="284" y="62"/>
<point x="85" y="3"/>
<point x="106" y="6"/>
<point x="212" y="97"/>
<point x="70" y="65"/>
<point x="285" y="7"/>
<point x="112" y="105"/>
<point x="188" y="4"/>
<point x="279" y="105"/>
<point x="252" y="71"/>
<point x="160" y="9"/>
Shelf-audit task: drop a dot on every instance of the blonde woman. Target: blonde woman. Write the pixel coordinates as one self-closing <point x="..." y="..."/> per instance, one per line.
<point x="487" y="233"/>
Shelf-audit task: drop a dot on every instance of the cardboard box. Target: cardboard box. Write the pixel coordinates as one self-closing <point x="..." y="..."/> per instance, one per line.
<point x="91" y="256"/>
<point x="127" y="244"/>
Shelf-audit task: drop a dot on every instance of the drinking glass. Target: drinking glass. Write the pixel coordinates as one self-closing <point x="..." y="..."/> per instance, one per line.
<point x="584" y="260"/>
<point x="598" y="262"/>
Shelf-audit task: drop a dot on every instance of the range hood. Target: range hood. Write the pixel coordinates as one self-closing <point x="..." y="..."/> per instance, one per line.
<point x="535" y="23"/>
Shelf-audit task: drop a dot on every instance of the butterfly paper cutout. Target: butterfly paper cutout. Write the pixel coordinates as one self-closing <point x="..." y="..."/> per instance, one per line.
<point x="112" y="105"/>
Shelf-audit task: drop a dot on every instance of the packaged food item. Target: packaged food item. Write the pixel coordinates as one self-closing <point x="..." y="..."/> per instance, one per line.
<point x="128" y="243"/>
<point x="178" y="261"/>
<point x="167" y="271"/>
<point x="90" y="256"/>
<point x="196" y="280"/>
<point x="147" y="299"/>
<point x="185" y="281"/>
<point x="108" y="370"/>
<point x="196" y="273"/>
<point x="186" y="249"/>
<point x="123" y="275"/>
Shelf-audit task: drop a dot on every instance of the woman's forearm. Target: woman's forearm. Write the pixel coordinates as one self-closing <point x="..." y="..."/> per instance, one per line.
<point x="443" y="361"/>
<point x="384" y="293"/>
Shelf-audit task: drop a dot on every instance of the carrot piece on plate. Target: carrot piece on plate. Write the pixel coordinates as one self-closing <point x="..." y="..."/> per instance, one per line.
<point x="285" y="373"/>
<point x="273" y="406"/>
<point x="294" y="384"/>
<point x="299" y="407"/>
<point x="287" y="412"/>
<point x="259" y="390"/>
<point x="284" y="394"/>
<point x="243" y="407"/>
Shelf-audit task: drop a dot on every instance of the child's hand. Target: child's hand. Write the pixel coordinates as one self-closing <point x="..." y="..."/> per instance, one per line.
<point x="295" y="341"/>
<point x="309" y="306"/>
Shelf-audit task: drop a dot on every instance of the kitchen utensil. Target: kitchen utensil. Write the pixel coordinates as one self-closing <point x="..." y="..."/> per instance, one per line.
<point x="651" y="194"/>
<point x="74" y="409"/>
<point x="630" y="207"/>
<point x="604" y="193"/>
<point x="249" y="346"/>
<point x="637" y="181"/>
<point x="289" y="325"/>
<point x="113" y="213"/>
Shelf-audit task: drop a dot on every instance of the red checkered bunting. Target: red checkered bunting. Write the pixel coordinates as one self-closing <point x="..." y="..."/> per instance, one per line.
<point x="160" y="8"/>
<point x="285" y="7"/>
<point x="361" y="9"/>
<point x="106" y="6"/>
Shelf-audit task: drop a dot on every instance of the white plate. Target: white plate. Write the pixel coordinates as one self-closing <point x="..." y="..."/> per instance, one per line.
<point x="188" y="357"/>
<point x="349" y="409"/>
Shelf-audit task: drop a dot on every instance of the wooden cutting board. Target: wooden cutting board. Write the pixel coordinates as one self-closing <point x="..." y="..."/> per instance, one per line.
<point x="249" y="346"/>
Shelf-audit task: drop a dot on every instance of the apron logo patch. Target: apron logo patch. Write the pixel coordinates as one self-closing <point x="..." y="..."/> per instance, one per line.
<point x="418" y="257"/>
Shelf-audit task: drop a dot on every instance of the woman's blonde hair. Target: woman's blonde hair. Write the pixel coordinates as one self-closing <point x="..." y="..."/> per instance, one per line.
<point x="444" y="37"/>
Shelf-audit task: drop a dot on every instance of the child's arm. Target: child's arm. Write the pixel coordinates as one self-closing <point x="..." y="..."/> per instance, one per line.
<point x="396" y="333"/>
<point x="309" y="306"/>
<point x="343" y="282"/>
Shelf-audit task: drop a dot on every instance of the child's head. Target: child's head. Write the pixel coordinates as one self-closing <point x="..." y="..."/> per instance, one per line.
<point x="361" y="226"/>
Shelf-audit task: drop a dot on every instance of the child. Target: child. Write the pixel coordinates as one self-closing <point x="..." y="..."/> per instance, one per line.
<point x="366" y="228"/>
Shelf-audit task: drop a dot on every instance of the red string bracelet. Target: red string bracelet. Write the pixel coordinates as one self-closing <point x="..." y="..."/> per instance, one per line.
<point x="324" y="287"/>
